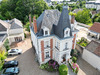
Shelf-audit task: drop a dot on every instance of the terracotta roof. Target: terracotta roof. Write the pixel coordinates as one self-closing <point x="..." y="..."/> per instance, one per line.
<point x="94" y="47"/>
<point x="95" y="27"/>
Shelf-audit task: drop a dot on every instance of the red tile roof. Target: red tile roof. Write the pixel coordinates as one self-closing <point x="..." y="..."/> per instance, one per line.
<point x="95" y="27"/>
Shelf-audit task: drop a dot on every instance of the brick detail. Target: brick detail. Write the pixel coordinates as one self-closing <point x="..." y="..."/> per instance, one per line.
<point x="35" y="25"/>
<point x="74" y="41"/>
<point x="42" y="50"/>
<point x="72" y="19"/>
<point x="51" y="46"/>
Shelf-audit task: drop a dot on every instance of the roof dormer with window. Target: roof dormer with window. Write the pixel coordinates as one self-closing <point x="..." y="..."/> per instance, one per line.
<point x="46" y="31"/>
<point x="67" y="32"/>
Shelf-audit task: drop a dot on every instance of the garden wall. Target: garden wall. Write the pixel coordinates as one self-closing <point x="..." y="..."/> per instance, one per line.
<point x="79" y="48"/>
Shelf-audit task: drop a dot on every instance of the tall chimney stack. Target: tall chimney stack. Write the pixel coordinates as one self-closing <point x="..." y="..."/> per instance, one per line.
<point x="30" y="20"/>
<point x="34" y="25"/>
<point x="72" y="19"/>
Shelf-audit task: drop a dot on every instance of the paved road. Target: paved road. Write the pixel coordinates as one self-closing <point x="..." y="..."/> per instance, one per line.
<point x="86" y="69"/>
<point x="27" y="63"/>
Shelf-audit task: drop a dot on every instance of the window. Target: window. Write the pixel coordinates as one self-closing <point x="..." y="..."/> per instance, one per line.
<point x="66" y="44"/>
<point x="46" y="32"/>
<point x="47" y="54"/>
<point x="46" y="44"/>
<point x="66" y="32"/>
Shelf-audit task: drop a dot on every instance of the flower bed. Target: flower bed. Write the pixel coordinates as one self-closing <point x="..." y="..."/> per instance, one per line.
<point x="51" y="65"/>
<point x="74" y="66"/>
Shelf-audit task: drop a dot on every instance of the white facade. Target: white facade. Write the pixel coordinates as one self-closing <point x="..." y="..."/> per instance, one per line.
<point x="15" y="35"/>
<point x="91" y="58"/>
<point x="93" y="4"/>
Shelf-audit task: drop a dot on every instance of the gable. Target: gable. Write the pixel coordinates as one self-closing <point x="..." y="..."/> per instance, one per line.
<point x="2" y="28"/>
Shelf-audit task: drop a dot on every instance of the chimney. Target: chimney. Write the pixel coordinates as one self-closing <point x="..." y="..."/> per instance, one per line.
<point x="72" y="19"/>
<point x="30" y="20"/>
<point x="34" y="25"/>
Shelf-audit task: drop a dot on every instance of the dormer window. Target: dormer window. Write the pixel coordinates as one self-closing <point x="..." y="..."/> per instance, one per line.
<point x="66" y="32"/>
<point x="46" y="31"/>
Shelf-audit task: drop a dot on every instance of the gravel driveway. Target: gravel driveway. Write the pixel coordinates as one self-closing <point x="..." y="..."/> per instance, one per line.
<point x="27" y="63"/>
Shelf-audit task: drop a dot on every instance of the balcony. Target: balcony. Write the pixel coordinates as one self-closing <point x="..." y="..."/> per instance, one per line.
<point x="47" y="47"/>
<point x="65" y="49"/>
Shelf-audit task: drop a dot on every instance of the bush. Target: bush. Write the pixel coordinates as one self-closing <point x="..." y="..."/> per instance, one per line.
<point x="74" y="59"/>
<point x="6" y="44"/>
<point x="63" y="70"/>
<point x="50" y="66"/>
<point x="27" y="26"/>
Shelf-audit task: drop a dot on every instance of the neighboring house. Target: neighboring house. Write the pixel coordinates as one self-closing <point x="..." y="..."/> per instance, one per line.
<point x="77" y="10"/>
<point x="53" y="35"/>
<point x="95" y="30"/>
<point x="16" y="33"/>
<point x="91" y="54"/>
<point x="12" y="29"/>
<point x="93" y="4"/>
<point x="4" y="27"/>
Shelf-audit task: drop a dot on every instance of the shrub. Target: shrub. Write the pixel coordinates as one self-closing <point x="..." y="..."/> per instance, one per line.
<point x="6" y="44"/>
<point x="74" y="59"/>
<point x="51" y="65"/>
<point x="63" y="70"/>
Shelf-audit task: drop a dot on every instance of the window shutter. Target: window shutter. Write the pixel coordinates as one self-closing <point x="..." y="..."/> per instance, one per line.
<point x="42" y="50"/>
<point x="51" y="46"/>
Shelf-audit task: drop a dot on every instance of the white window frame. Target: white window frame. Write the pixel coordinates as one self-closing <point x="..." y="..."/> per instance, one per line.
<point x="46" y="44"/>
<point x="48" y="53"/>
<point x="67" y="30"/>
<point x="44" y="31"/>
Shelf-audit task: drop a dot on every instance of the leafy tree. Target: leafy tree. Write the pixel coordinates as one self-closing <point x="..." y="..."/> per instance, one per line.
<point x="27" y="26"/>
<point x="96" y="18"/>
<point x="59" y="7"/>
<point x="83" y="17"/>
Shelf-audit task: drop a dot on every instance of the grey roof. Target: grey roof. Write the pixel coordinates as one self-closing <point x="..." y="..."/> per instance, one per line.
<point x="4" y="25"/>
<point x="94" y="47"/>
<point x="55" y="21"/>
<point x="48" y="18"/>
<point x="63" y="23"/>
<point x="2" y="37"/>
<point x="15" y="23"/>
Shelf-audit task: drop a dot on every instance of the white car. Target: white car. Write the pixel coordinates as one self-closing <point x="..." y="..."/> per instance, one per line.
<point x="14" y="51"/>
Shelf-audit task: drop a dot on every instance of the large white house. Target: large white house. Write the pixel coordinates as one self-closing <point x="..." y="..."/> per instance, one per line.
<point x="12" y="29"/>
<point x="53" y="35"/>
<point x="93" y="4"/>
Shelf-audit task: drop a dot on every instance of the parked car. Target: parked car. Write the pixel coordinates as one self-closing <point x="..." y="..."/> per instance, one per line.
<point x="10" y="71"/>
<point x="14" y="51"/>
<point x="12" y="63"/>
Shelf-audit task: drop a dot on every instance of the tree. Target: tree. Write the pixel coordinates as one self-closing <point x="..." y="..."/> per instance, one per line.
<point x="83" y="17"/>
<point x="59" y="7"/>
<point x="96" y="18"/>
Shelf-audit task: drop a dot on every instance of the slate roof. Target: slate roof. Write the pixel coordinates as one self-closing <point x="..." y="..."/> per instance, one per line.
<point x="4" y="25"/>
<point x="55" y="21"/>
<point x="95" y="27"/>
<point x="2" y="37"/>
<point x="94" y="47"/>
<point x="63" y="23"/>
<point x="15" y="23"/>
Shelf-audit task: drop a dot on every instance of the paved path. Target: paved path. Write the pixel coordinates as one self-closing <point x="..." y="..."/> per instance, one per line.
<point x="86" y="69"/>
<point x="27" y="63"/>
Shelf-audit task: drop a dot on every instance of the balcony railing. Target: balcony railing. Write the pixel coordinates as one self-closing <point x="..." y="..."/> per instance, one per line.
<point x="65" y="49"/>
